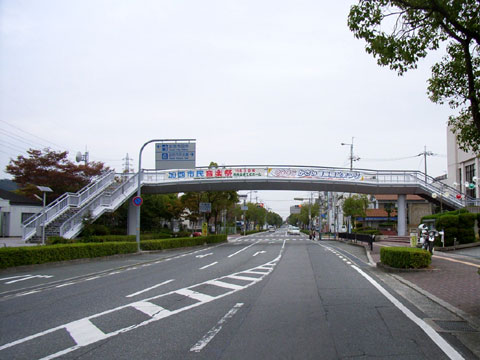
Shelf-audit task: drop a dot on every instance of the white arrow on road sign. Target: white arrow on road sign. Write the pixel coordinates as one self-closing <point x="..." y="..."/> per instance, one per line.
<point x="202" y="256"/>
<point x="259" y="252"/>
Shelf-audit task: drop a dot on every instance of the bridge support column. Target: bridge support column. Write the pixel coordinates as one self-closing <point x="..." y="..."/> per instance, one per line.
<point x="402" y="215"/>
<point x="131" y="218"/>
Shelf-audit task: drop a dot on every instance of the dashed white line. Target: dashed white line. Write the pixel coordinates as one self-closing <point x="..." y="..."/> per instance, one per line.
<point x="216" y="329"/>
<point x="207" y="266"/>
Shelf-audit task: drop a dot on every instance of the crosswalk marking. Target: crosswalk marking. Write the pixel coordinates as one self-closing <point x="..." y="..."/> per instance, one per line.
<point x="83" y="332"/>
<point x="151" y="309"/>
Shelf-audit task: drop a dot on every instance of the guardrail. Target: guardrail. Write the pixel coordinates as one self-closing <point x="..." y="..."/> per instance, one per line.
<point x="358" y="237"/>
<point x="127" y="185"/>
<point x="63" y="203"/>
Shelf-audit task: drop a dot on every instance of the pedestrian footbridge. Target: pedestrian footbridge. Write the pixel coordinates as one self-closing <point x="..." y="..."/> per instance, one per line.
<point x="64" y="216"/>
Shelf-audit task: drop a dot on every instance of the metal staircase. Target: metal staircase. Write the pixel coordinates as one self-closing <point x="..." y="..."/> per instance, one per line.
<point x="64" y="207"/>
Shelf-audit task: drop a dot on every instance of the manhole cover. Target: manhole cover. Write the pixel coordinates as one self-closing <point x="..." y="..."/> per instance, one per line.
<point x="454" y="325"/>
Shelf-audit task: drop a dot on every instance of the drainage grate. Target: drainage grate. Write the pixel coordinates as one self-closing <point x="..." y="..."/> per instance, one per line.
<point x="454" y="325"/>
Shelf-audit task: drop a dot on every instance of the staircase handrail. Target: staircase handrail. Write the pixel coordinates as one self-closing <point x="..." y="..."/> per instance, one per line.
<point x="62" y="203"/>
<point x="104" y="200"/>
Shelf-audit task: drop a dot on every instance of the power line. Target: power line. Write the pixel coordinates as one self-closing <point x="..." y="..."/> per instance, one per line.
<point x="36" y="136"/>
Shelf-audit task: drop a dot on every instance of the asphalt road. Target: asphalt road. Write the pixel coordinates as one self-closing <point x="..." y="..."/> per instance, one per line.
<point x="264" y="296"/>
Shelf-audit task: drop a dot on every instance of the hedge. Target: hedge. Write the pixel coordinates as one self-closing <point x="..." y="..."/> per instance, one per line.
<point x="405" y="257"/>
<point x="164" y="244"/>
<point x="16" y="256"/>
<point x="52" y="240"/>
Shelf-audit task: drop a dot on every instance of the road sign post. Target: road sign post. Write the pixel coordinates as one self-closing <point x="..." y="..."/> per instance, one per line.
<point x="139" y="184"/>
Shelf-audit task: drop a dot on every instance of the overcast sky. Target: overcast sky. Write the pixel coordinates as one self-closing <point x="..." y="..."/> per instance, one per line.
<point x="255" y="82"/>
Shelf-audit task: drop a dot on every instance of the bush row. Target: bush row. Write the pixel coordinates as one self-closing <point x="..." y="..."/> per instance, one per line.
<point x="405" y="257"/>
<point x="17" y="256"/>
<point x="52" y="240"/>
<point x="42" y="254"/>
<point x="181" y="242"/>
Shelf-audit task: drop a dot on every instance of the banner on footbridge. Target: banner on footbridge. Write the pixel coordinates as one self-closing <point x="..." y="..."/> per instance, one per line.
<point x="291" y="173"/>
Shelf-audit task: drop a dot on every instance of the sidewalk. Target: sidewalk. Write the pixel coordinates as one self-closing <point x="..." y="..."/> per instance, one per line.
<point x="453" y="278"/>
<point x="13" y="242"/>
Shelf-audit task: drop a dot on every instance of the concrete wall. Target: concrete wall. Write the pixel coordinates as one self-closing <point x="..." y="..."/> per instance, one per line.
<point x="459" y="159"/>
<point x="12" y="215"/>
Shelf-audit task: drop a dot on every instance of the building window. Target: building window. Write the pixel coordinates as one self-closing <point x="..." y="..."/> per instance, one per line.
<point x="469" y="174"/>
<point x="25" y="216"/>
<point x="459" y="179"/>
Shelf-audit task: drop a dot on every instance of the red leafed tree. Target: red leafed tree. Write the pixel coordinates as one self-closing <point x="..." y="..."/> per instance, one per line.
<point x="51" y="168"/>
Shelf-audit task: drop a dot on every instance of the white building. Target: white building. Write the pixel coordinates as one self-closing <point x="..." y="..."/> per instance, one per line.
<point x="462" y="167"/>
<point x="15" y="209"/>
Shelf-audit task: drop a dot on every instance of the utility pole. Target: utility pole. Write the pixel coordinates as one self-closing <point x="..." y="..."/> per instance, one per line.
<point x="352" y="158"/>
<point x="425" y="153"/>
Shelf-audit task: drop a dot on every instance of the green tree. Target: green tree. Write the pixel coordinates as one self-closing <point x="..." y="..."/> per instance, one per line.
<point x="401" y="32"/>
<point x="53" y="169"/>
<point x="355" y="206"/>
<point x="219" y="200"/>
<point x="274" y="219"/>
<point x="304" y="213"/>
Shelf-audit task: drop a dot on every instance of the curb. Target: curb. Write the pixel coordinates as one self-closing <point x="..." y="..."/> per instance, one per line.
<point x="390" y="269"/>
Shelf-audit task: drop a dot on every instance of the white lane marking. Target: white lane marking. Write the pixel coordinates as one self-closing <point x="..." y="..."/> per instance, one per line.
<point x="92" y="278"/>
<point x="216" y="329"/>
<point x="203" y="255"/>
<point x="28" y="293"/>
<point x="254" y="272"/>
<point x="195" y="295"/>
<point x="14" y="277"/>
<point x="207" y="266"/>
<point x="245" y="248"/>
<point x="252" y="281"/>
<point x="84" y="332"/>
<point x="224" y="284"/>
<point x="150" y="288"/>
<point x="62" y="285"/>
<point x="238" y="277"/>
<point x="437" y="339"/>
<point x="28" y="277"/>
<point x="151" y="309"/>
<point x="259" y="252"/>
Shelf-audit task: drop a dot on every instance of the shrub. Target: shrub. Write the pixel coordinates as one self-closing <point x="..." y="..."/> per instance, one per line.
<point x="449" y="223"/>
<point x="405" y="258"/>
<point x="466" y="232"/>
<point x="53" y="240"/>
<point x="42" y="254"/>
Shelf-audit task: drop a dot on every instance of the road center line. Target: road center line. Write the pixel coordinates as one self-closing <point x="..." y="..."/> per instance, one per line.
<point x="245" y="248"/>
<point x="206" y="266"/>
<point x="150" y="288"/>
<point x="216" y="329"/>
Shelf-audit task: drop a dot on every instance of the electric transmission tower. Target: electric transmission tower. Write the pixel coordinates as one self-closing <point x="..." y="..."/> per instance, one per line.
<point x="126" y="165"/>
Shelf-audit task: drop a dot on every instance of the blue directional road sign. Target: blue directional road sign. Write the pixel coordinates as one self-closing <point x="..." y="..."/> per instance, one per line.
<point x="175" y="155"/>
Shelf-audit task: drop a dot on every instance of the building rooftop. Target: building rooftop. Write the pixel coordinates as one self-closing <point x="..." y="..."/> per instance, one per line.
<point x="16" y="199"/>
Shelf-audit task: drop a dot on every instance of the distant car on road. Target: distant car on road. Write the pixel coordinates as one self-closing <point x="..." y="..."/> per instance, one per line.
<point x="271" y="228"/>
<point x="293" y="230"/>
